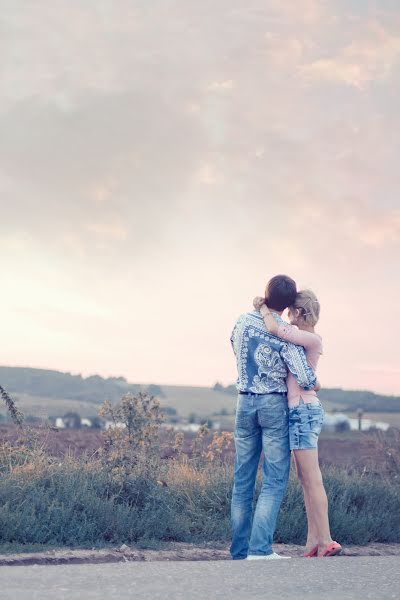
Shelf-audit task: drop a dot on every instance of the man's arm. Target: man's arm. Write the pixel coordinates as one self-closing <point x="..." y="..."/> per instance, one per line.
<point x="232" y="338"/>
<point x="295" y="360"/>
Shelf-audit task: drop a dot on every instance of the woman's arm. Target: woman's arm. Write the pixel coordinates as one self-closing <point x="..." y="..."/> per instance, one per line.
<point x="270" y="322"/>
<point x="286" y="332"/>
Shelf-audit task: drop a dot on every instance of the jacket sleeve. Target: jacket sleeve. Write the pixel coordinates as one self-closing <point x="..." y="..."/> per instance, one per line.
<point x="233" y="337"/>
<point x="295" y="360"/>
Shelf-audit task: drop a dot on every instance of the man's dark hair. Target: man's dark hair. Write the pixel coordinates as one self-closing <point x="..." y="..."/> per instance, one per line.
<point x="280" y="292"/>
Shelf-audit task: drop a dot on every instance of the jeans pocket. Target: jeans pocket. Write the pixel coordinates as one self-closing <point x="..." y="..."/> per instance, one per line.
<point x="244" y="423"/>
<point x="316" y="419"/>
<point x="273" y="419"/>
<point x="315" y="405"/>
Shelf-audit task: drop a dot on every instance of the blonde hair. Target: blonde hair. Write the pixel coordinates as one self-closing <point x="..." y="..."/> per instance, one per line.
<point x="307" y="304"/>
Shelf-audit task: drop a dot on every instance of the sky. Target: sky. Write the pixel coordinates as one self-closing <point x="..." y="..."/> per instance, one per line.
<point x="160" y="160"/>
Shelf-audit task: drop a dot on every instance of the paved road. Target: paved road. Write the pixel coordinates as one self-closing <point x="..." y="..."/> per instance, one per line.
<point x="340" y="578"/>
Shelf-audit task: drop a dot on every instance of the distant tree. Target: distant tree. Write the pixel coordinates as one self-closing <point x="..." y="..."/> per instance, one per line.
<point x="342" y="427"/>
<point x="218" y="387"/>
<point x="97" y="422"/>
<point x="192" y="418"/>
<point x="95" y="378"/>
<point x="72" y="420"/>
<point x="169" y="410"/>
<point x="231" y="389"/>
<point x="223" y="412"/>
<point x="117" y="380"/>
<point x="155" y="390"/>
<point x="170" y="414"/>
<point x="32" y="419"/>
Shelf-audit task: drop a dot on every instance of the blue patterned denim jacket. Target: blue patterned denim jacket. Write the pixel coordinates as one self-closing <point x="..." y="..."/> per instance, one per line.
<point x="263" y="360"/>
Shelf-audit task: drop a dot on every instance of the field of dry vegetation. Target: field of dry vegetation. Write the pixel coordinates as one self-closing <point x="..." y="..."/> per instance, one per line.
<point x="147" y="484"/>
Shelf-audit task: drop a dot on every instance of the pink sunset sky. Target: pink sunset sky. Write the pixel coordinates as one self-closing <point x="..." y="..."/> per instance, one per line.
<point x="160" y="160"/>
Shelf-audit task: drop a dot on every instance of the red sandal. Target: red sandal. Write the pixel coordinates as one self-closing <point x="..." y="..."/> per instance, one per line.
<point x="313" y="552"/>
<point x="332" y="550"/>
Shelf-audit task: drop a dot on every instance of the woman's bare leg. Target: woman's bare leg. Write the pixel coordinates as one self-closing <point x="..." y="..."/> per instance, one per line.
<point x="314" y="495"/>
<point x="312" y="531"/>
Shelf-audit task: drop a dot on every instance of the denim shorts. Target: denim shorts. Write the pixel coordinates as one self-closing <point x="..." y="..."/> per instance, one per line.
<point x="305" y="424"/>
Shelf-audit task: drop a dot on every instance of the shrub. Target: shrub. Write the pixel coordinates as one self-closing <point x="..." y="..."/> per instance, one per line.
<point x="78" y="503"/>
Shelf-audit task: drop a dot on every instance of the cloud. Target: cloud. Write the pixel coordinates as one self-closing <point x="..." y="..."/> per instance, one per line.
<point x="303" y="12"/>
<point x="208" y="175"/>
<point x="378" y="230"/>
<point x="189" y="150"/>
<point x="107" y="230"/>
<point x="370" y="57"/>
<point x="122" y="155"/>
<point x="218" y="86"/>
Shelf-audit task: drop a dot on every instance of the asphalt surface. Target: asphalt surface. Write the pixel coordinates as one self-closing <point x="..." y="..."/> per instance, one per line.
<point x="339" y="578"/>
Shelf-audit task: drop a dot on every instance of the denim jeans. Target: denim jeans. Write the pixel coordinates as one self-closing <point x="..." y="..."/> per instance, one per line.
<point x="261" y="425"/>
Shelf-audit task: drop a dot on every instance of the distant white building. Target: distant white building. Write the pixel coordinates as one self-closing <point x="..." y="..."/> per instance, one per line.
<point x="367" y="424"/>
<point x="192" y="427"/>
<point x="61" y="424"/>
<point x="112" y="425"/>
<point x="341" y="422"/>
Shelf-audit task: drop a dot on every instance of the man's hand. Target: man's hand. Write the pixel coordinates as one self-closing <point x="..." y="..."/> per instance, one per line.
<point x="317" y="386"/>
<point x="258" y="302"/>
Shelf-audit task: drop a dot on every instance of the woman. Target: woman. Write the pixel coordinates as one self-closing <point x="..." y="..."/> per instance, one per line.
<point x="306" y="416"/>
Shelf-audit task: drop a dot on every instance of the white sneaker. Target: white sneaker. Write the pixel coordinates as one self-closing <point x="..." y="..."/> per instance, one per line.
<point x="273" y="556"/>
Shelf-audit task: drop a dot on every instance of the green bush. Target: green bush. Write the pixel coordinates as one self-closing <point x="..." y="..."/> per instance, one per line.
<point x="77" y="503"/>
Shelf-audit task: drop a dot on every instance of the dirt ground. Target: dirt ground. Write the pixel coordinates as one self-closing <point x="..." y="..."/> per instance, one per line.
<point x="174" y="552"/>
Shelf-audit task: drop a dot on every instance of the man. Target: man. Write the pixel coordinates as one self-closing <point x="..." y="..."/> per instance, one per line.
<point x="262" y="422"/>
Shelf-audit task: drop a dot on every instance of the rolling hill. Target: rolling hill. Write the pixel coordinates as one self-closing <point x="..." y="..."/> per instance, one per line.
<point x="44" y="393"/>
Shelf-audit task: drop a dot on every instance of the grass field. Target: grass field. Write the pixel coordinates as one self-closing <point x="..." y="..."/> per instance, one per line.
<point x="43" y="407"/>
<point x="186" y="400"/>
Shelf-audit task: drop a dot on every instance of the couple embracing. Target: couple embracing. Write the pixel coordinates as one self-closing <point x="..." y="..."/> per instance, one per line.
<point x="278" y="413"/>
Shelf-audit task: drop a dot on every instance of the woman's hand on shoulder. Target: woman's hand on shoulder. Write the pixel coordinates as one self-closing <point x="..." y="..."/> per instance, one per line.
<point x="258" y="302"/>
